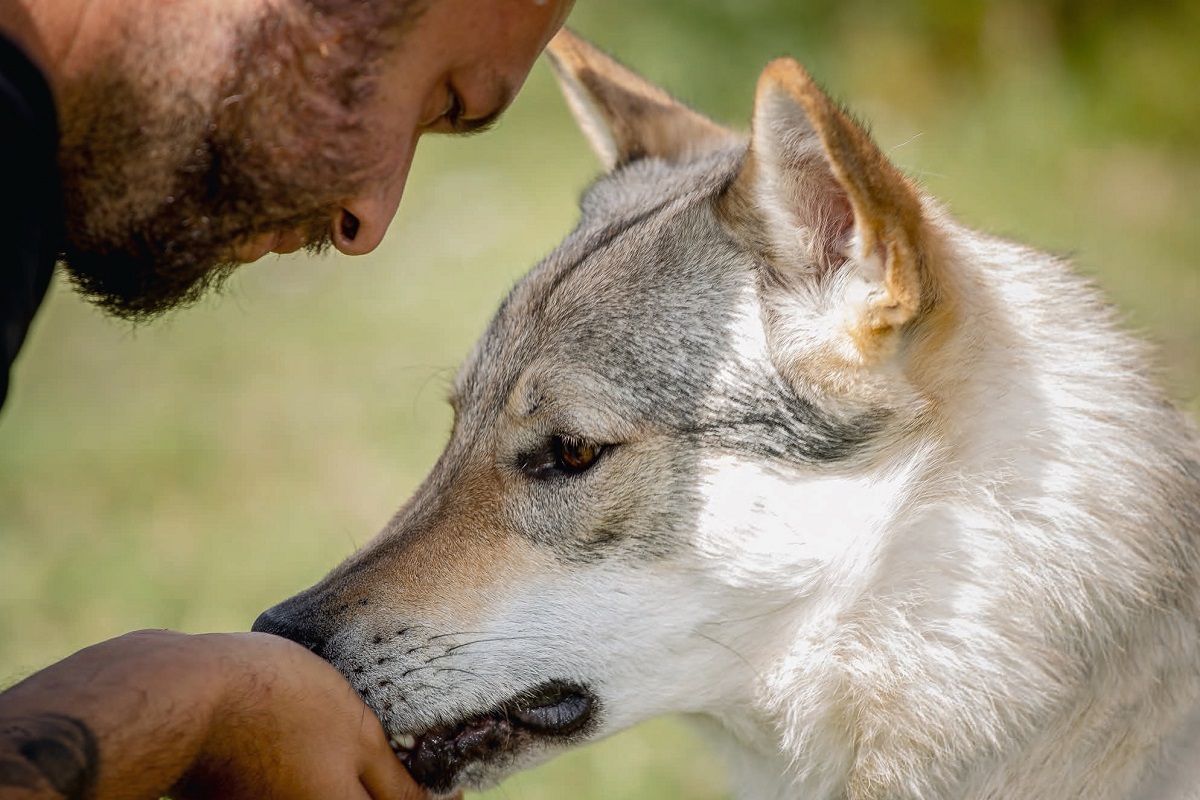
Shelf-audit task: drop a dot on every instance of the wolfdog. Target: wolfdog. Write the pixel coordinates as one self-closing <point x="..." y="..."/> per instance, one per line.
<point x="889" y="507"/>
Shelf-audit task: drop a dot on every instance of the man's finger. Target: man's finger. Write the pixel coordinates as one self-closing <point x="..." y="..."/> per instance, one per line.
<point x="390" y="781"/>
<point x="383" y="776"/>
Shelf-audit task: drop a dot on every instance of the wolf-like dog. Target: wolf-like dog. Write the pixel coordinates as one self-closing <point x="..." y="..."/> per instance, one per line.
<point x="889" y="507"/>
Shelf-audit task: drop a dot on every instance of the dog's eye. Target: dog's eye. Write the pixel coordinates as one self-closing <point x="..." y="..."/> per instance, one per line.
<point x="562" y="455"/>
<point x="575" y="455"/>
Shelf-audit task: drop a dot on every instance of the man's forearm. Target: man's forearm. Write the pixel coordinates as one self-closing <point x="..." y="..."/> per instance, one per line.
<point x="239" y="716"/>
<point x="123" y="719"/>
<point x="47" y="755"/>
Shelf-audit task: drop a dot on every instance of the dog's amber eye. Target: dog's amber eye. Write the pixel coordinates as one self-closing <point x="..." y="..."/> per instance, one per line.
<point x="560" y="456"/>
<point x="575" y="455"/>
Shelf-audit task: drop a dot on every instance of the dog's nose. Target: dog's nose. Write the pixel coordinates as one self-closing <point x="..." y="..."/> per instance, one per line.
<point x="282" y="620"/>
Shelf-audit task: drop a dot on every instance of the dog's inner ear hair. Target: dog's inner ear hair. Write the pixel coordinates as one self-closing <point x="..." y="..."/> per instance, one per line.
<point x="816" y="195"/>
<point x="624" y="116"/>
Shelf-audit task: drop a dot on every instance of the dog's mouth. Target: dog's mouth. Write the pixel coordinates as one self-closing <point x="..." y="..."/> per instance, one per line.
<point x="436" y="757"/>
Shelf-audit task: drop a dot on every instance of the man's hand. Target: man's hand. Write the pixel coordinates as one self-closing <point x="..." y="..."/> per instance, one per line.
<point x="238" y="715"/>
<point x="290" y="726"/>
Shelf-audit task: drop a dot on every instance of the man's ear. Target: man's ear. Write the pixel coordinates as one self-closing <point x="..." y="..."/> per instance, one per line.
<point x="624" y="116"/>
<point x="825" y="202"/>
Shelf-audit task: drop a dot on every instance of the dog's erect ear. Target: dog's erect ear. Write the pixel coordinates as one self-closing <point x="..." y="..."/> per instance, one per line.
<point x="823" y="199"/>
<point x="624" y="116"/>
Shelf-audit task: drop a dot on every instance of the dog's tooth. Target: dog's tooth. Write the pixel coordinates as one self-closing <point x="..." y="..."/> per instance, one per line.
<point x="405" y="741"/>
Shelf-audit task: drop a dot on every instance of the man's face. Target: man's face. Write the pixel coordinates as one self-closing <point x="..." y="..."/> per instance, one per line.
<point x="208" y="141"/>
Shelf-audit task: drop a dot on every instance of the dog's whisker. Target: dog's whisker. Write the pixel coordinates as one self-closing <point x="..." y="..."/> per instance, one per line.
<point x="788" y="606"/>
<point x="747" y="662"/>
<point x="440" y="636"/>
<point x="494" y="640"/>
<point x="456" y="669"/>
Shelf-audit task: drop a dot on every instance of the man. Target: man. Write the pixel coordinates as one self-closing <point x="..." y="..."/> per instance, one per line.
<point x="149" y="148"/>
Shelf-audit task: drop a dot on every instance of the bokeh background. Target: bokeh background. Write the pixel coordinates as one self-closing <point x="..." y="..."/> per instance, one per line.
<point x="191" y="472"/>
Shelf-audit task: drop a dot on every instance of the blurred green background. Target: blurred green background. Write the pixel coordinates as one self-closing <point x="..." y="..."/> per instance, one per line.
<point x="191" y="472"/>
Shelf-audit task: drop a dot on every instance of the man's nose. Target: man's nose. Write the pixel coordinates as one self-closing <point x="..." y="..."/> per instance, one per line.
<point x="358" y="231"/>
<point x="360" y="223"/>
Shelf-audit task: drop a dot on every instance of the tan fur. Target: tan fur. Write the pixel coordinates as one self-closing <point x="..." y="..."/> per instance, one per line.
<point x="452" y="563"/>
<point x="626" y="117"/>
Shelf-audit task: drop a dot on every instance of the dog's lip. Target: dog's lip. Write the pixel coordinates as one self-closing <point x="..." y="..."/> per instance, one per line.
<point x="436" y="756"/>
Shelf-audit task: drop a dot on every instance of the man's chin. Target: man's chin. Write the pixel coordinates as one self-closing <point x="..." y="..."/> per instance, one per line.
<point x="139" y="288"/>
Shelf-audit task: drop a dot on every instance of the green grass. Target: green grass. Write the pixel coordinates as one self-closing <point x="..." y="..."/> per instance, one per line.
<point x="189" y="473"/>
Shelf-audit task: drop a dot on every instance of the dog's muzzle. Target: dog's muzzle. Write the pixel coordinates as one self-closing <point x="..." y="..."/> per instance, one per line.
<point x="555" y="711"/>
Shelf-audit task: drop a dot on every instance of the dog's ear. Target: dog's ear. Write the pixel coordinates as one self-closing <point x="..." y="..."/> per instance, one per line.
<point x="829" y="209"/>
<point x="624" y="116"/>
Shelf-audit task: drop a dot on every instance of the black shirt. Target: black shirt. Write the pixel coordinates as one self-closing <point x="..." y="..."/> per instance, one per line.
<point x="31" y="217"/>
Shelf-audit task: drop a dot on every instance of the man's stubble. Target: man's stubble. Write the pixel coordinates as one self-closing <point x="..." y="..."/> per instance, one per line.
<point x="161" y="180"/>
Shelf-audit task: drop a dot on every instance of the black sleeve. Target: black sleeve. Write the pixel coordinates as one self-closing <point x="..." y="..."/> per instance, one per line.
<point x="31" y="216"/>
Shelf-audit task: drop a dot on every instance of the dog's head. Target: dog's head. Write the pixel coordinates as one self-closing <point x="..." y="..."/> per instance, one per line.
<point x="668" y="447"/>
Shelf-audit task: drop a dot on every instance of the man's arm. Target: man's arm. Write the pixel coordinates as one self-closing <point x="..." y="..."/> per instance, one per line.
<point x="219" y="715"/>
<point x="47" y="755"/>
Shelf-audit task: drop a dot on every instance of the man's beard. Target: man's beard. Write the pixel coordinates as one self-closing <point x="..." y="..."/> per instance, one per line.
<point x="158" y="186"/>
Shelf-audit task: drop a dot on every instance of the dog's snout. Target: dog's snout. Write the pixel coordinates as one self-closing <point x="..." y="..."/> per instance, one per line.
<point x="282" y="620"/>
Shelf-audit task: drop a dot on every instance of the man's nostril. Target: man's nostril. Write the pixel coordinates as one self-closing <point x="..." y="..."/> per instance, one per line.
<point x="350" y="226"/>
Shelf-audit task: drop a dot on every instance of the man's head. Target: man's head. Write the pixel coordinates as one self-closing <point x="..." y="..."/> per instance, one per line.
<point x="209" y="134"/>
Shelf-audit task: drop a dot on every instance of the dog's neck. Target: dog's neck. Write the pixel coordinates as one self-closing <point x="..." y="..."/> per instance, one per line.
<point x="1108" y="746"/>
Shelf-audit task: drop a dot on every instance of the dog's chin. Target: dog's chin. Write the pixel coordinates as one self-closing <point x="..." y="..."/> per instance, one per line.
<point x="478" y="750"/>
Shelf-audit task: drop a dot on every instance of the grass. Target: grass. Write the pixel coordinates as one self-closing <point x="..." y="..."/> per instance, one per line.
<point x="189" y="473"/>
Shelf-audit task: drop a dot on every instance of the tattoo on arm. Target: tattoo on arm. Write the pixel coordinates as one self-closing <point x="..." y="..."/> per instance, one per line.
<point x="48" y="753"/>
